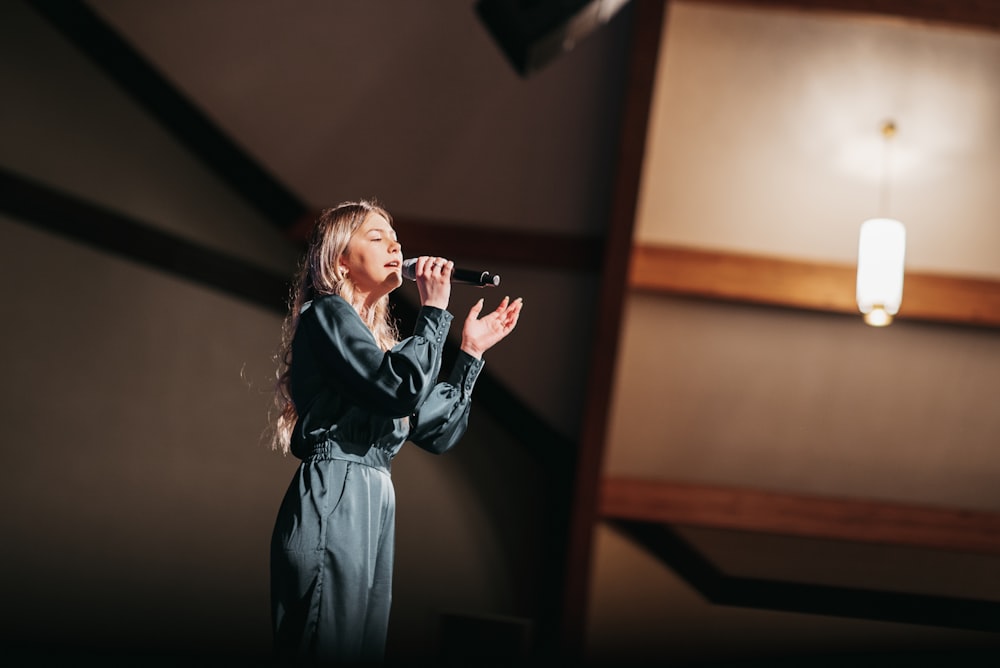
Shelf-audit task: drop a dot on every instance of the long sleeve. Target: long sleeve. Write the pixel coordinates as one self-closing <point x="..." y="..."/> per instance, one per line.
<point x="441" y="420"/>
<point x="393" y="383"/>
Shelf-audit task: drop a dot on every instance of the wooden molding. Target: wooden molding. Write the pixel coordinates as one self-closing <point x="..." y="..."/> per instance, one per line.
<point x="464" y="241"/>
<point x="977" y="14"/>
<point x="808" y="285"/>
<point x="866" y="521"/>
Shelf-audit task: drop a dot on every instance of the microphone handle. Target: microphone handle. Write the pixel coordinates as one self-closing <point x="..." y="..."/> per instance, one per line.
<point x="482" y="279"/>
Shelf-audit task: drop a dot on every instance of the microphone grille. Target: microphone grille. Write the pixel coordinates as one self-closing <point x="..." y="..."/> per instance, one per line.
<point x="410" y="269"/>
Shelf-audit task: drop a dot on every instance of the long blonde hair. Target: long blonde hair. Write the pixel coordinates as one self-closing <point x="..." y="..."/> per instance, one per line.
<point x="319" y="274"/>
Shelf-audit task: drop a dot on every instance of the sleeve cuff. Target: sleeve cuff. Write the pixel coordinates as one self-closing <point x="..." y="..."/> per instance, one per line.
<point x="433" y="324"/>
<point x="465" y="372"/>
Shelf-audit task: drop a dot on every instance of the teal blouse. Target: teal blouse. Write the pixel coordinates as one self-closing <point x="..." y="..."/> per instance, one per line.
<point x="358" y="402"/>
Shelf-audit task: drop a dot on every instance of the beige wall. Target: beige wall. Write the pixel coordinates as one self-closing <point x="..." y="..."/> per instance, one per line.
<point x="137" y="497"/>
<point x="804" y="402"/>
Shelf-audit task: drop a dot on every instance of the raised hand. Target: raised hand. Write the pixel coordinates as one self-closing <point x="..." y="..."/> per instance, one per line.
<point x="481" y="334"/>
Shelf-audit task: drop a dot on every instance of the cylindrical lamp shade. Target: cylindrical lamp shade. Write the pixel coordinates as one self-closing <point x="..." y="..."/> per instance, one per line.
<point x="881" y="252"/>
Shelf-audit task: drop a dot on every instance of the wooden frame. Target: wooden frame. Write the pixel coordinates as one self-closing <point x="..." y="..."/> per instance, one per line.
<point x="808" y="285"/>
<point x="743" y="509"/>
<point x="976" y="14"/>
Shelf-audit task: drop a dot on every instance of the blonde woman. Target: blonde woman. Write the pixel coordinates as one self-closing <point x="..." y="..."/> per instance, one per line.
<point x="349" y="394"/>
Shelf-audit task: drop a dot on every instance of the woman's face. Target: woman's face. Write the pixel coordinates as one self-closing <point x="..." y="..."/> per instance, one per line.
<point x="373" y="260"/>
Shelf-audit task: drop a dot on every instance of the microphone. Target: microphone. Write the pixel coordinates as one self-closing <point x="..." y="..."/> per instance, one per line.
<point x="481" y="279"/>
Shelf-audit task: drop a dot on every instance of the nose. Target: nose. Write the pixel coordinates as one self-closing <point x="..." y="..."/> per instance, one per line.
<point x="395" y="246"/>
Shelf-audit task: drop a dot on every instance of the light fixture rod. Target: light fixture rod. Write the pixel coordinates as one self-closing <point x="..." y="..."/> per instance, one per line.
<point x="888" y="132"/>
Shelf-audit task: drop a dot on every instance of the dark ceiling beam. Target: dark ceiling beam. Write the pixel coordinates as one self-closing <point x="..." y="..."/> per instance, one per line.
<point x="139" y="79"/>
<point x="978" y="14"/>
<point x="647" y="23"/>
<point x="459" y="241"/>
<point x="721" y="588"/>
<point x="31" y="202"/>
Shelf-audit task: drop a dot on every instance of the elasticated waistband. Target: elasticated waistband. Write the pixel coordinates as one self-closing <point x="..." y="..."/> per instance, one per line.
<point x="374" y="457"/>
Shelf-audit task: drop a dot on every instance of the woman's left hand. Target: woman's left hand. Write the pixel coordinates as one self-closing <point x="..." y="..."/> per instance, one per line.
<point x="481" y="334"/>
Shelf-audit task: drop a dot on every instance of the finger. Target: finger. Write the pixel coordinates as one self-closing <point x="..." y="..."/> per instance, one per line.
<point x="513" y="313"/>
<point x="476" y="308"/>
<point x="439" y="265"/>
<point x="510" y="307"/>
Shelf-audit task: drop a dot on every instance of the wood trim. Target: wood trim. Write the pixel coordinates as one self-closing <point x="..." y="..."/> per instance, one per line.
<point x="952" y="299"/>
<point x="462" y="241"/>
<point x="979" y="14"/>
<point x="808" y="285"/>
<point x="741" y="509"/>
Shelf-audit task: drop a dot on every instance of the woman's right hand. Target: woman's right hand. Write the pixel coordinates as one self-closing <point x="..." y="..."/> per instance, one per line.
<point x="434" y="280"/>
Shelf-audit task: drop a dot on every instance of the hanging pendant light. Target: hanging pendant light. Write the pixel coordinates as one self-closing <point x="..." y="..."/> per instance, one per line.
<point x="881" y="251"/>
<point x="881" y="257"/>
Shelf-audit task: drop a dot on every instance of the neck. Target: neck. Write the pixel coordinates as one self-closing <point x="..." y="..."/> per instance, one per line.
<point x="365" y="306"/>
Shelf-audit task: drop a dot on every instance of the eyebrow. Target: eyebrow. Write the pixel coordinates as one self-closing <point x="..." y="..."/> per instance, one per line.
<point x="382" y="230"/>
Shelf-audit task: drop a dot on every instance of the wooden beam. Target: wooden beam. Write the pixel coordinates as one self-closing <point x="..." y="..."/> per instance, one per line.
<point x="460" y="241"/>
<point x="808" y="285"/>
<point x="672" y="549"/>
<point x="31" y="202"/>
<point x="741" y="509"/>
<point x="952" y="299"/>
<point x="141" y="80"/>
<point x="647" y="27"/>
<point x="978" y="14"/>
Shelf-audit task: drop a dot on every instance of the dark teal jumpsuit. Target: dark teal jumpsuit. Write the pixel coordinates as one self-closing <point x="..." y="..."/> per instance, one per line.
<point x="332" y="546"/>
